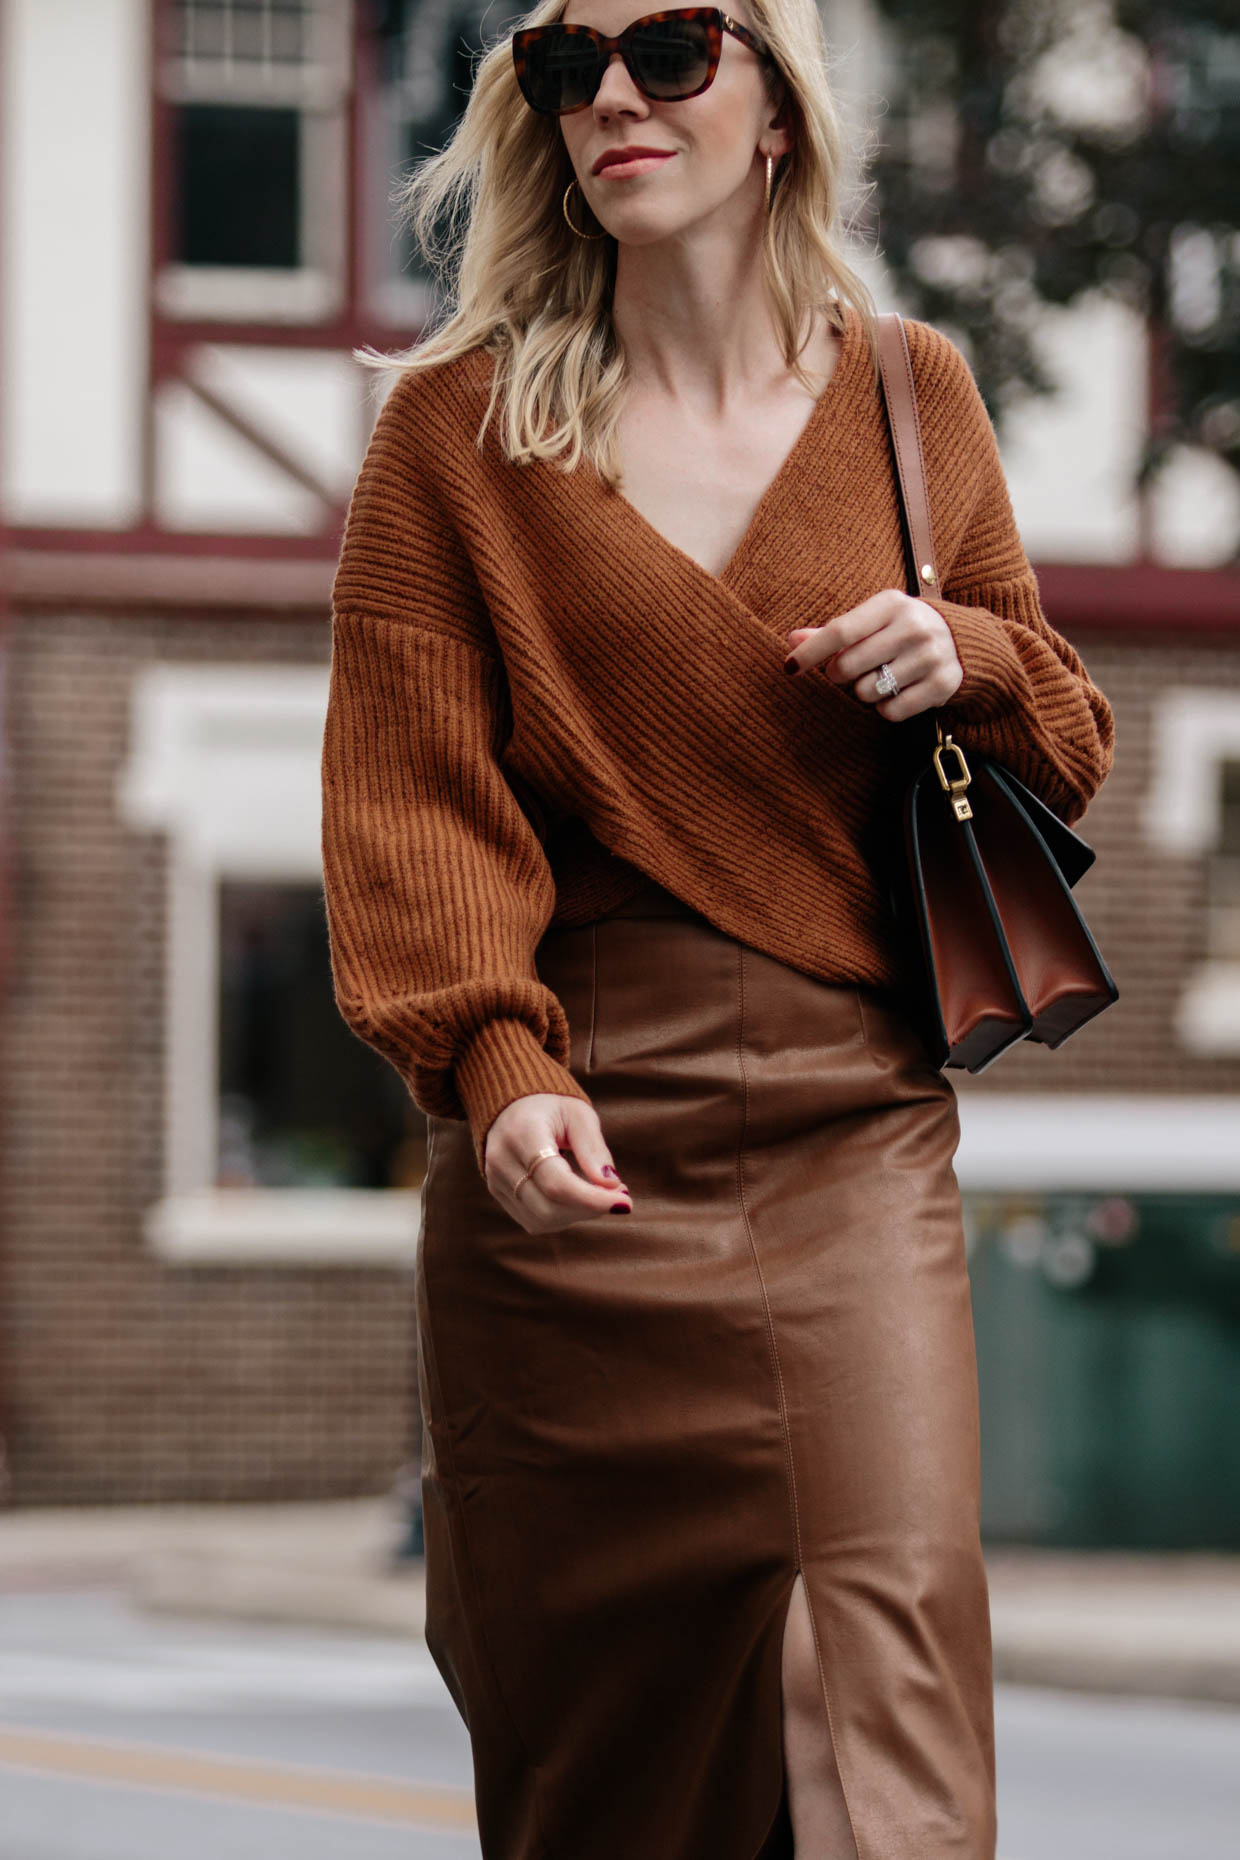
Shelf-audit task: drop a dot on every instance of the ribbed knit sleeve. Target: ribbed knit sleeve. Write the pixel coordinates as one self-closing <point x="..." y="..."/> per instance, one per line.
<point x="437" y="888"/>
<point x="1026" y="697"/>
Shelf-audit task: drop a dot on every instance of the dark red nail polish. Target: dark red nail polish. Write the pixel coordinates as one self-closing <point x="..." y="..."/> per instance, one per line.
<point x="620" y="1208"/>
<point x="792" y="665"/>
<point x="610" y="1173"/>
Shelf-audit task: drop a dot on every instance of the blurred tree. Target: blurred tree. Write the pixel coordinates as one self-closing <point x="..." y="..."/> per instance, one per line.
<point x="1037" y="151"/>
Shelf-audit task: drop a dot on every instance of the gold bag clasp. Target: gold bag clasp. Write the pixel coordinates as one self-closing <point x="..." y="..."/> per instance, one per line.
<point x="954" y="786"/>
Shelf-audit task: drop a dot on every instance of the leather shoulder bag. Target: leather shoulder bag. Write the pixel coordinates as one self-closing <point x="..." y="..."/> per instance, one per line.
<point x="987" y="906"/>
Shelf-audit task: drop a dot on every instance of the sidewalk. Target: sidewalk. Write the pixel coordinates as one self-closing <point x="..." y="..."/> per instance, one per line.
<point x="1147" y="1623"/>
<point x="1163" y="1625"/>
<point x="325" y="1564"/>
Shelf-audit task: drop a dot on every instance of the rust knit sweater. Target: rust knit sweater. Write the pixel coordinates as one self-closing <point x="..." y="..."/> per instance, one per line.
<point x="537" y="702"/>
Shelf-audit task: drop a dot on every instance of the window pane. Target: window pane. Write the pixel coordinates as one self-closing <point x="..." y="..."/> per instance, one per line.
<point x="289" y="35"/>
<point x="238" y="31"/>
<point x="303" y="1101"/>
<point x="204" y="31"/>
<point x="239" y="189"/>
<point x="249" y="33"/>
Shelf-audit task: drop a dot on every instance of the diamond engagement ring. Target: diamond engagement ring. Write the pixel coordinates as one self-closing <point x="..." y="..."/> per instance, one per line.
<point x="888" y="684"/>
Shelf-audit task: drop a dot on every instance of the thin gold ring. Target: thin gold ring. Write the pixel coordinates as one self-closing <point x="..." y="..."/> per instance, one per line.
<point x="542" y="1156"/>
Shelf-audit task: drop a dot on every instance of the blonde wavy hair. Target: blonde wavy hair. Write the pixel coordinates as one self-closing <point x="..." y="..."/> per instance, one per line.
<point x="486" y="212"/>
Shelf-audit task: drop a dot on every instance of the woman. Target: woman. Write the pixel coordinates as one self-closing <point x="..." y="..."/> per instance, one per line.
<point x="701" y="1488"/>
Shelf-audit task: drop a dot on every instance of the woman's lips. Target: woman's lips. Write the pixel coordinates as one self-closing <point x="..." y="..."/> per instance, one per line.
<point x="637" y="163"/>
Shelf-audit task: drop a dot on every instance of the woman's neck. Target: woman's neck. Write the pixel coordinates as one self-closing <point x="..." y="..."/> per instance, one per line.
<point x="696" y="325"/>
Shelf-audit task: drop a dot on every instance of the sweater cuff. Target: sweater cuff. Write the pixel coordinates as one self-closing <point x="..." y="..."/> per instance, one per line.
<point x="504" y="1060"/>
<point x="994" y="677"/>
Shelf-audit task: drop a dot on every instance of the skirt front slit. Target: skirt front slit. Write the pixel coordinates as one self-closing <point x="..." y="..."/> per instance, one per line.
<point x="638" y="1430"/>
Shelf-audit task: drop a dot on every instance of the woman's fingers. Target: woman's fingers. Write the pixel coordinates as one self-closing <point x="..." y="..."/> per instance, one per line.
<point x="848" y="629"/>
<point x="585" y="1138"/>
<point x="890" y="643"/>
<point x="919" y="644"/>
<point x="910" y="702"/>
<point x="892" y="629"/>
<point x="555" y="1195"/>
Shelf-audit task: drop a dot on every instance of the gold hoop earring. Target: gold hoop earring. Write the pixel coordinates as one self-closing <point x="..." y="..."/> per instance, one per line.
<point x="770" y="171"/>
<point x="576" y="229"/>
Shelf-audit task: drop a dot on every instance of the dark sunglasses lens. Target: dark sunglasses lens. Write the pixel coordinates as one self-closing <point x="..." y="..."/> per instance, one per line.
<point x="670" y="57"/>
<point x="561" y="70"/>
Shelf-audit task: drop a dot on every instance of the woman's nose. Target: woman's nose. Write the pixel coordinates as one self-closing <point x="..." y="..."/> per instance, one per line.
<point x="617" y="91"/>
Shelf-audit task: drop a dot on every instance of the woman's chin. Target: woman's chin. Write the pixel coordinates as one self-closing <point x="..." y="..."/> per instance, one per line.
<point x="640" y="228"/>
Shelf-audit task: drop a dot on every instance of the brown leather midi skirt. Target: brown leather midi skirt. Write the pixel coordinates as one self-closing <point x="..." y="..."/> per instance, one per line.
<point x="638" y="1430"/>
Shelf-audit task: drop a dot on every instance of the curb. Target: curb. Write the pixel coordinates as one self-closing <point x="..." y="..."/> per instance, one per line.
<point x="1144" y="1624"/>
<point x="387" y="1601"/>
<point x="1174" y="1639"/>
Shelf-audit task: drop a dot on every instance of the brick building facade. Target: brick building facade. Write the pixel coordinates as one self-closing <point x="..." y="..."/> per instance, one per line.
<point x="127" y="1374"/>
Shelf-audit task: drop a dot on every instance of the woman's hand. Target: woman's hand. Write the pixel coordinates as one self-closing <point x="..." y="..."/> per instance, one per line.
<point x="555" y="1195"/>
<point x="890" y="628"/>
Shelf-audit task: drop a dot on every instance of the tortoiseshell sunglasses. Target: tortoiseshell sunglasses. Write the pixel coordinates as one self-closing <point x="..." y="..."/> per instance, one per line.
<point x="669" y="56"/>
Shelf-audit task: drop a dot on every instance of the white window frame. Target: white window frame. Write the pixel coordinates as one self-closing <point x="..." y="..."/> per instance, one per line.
<point x="225" y="761"/>
<point x="1195" y="730"/>
<point x="320" y="90"/>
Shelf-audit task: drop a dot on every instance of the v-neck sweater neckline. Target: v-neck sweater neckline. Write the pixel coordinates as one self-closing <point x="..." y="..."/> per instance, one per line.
<point x="852" y="344"/>
<point x="538" y="702"/>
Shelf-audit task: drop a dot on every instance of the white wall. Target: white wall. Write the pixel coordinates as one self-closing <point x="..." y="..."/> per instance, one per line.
<point x="1070" y="459"/>
<point x="74" y="122"/>
<point x="312" y="403"/>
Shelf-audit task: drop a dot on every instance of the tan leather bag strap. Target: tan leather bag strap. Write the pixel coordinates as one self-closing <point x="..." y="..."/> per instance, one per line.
<point x="900" y="396"/>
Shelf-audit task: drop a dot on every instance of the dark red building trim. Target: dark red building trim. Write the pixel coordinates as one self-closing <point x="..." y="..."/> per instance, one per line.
<point x="1139" y="597"/>
<point x="178" y="585"/>
<point x="149" y="539"/>
<point x="147" y="565"/>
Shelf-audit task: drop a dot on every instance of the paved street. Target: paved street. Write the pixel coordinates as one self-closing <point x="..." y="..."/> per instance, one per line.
<point x="130" y="1737"/>
<point x="1083" y="1776"/>
<point x="125" y="1736"/>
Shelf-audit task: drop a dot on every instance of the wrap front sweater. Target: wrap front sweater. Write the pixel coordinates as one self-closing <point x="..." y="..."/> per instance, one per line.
<point x="537" y="702"/>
